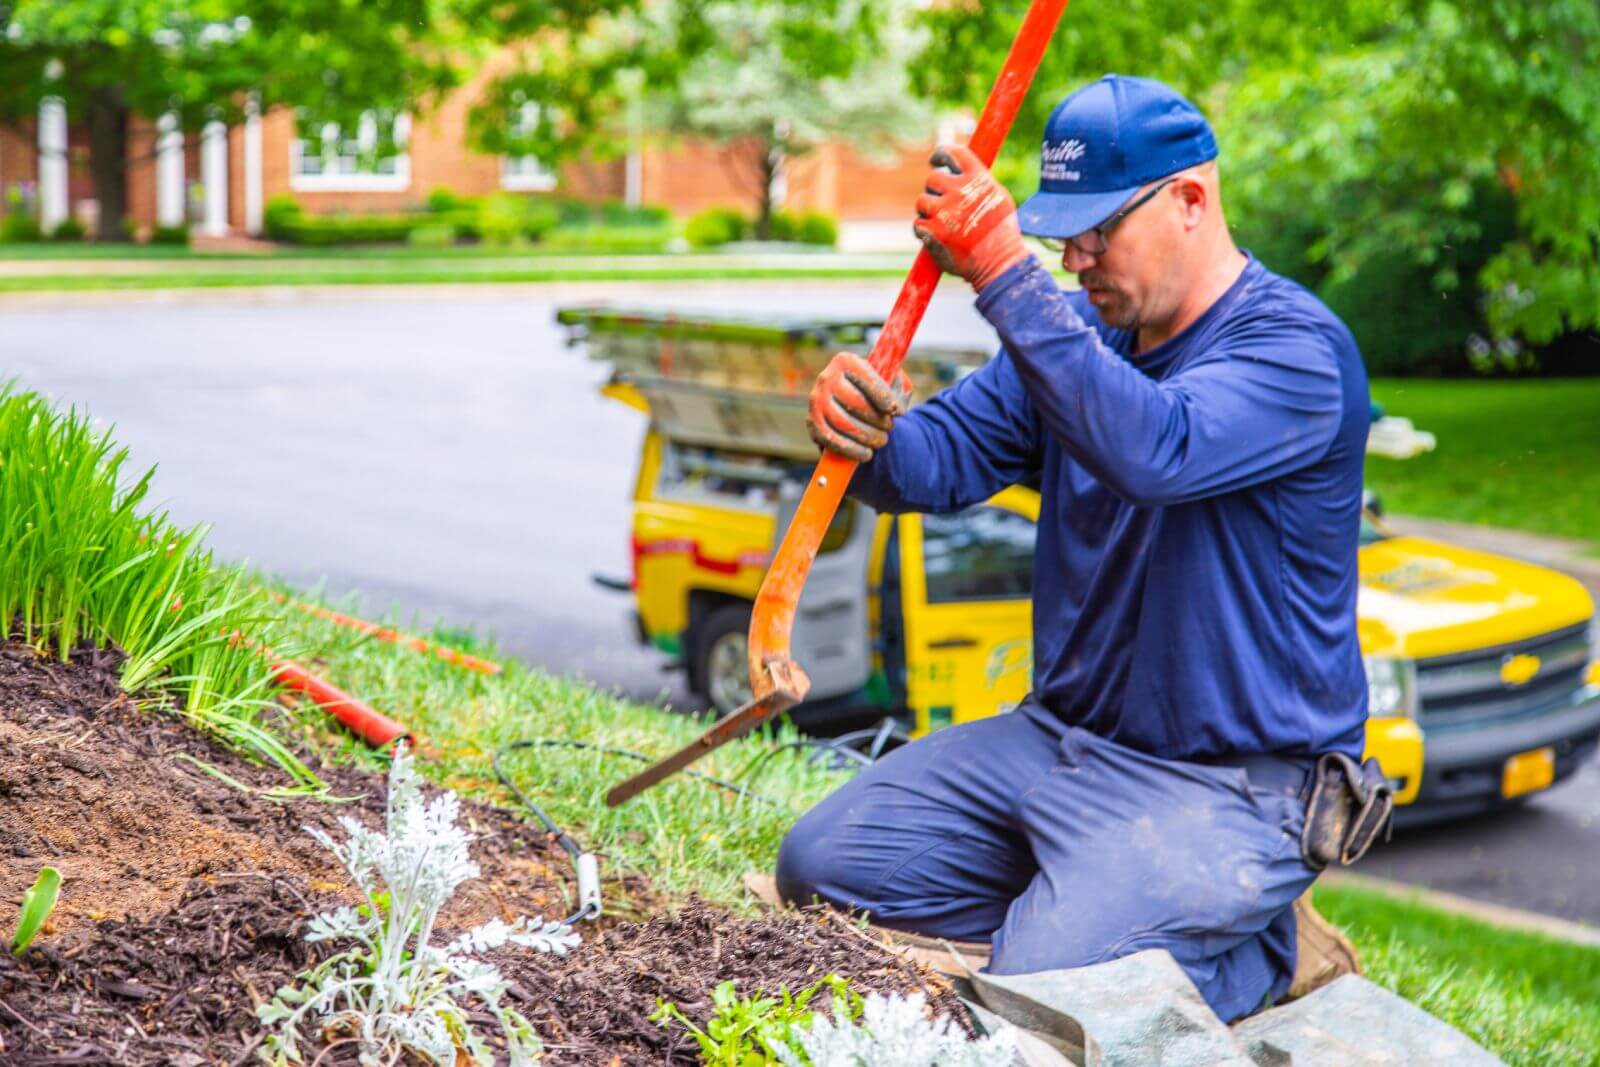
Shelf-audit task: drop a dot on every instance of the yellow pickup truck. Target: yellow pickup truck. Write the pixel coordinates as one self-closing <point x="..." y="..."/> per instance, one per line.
<point x="1483" y="671"/>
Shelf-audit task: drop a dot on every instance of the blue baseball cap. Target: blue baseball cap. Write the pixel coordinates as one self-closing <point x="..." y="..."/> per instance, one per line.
<point x="1105" y="141"/>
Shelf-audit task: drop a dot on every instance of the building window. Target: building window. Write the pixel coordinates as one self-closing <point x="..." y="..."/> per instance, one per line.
<point x="334" y="162"/>
<point x="525" y="173"/>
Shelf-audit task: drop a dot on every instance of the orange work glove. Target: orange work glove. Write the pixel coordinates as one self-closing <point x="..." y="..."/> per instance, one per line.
<point x="966" y="219"/>
<point x="852" y="407"/>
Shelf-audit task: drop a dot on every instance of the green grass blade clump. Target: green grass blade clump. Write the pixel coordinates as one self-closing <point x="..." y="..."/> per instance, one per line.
<point x="80" y="559"/>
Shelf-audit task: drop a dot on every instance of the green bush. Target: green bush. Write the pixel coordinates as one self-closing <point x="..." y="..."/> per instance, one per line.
<point x="613" y="212"/>
<point x="68" y="229"/>
<point x="618" y="213"/>
<point x="19" y="226"/>
<point x="500" y="219"/>
<point x="170" y="235"/>
<point x="539" y="217"/>
<point x="464" y="219"/>
<point x="608" y="240"/>
<point x="812" y="228"/>
<point x="322" y="231"/>
<point x="817" y="228"/>
<point x="432" y="235"/>
<point x="442" y="200"/>
<point x="715" y="226"/>
<point x="280" y="213"/>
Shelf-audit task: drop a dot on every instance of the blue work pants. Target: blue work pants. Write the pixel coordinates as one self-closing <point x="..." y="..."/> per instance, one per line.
<point x="1064" y="849"/>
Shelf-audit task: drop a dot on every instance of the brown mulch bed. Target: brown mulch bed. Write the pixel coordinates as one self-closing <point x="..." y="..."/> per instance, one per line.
<point x="185" y="901"/>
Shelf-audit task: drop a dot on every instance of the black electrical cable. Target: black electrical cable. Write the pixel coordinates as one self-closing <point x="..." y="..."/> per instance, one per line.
<point x="563" y="838"/>
<point x="839" y="747"/>
<point x="563" y="742"/>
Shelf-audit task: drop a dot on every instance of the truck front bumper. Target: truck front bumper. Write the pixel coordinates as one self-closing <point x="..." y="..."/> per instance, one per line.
<point x="1462" y="768"/>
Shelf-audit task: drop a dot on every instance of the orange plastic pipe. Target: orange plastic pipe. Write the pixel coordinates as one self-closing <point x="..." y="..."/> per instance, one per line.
<point x="777" y="682"/>
<point x="371" y="726"/>
<point x="398" y="637"/>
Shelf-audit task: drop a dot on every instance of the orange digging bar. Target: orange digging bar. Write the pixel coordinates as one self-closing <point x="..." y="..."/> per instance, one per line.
<point x="776" y="680"/>
<point x="386" y="633"/>
<point x="371" y="726"/>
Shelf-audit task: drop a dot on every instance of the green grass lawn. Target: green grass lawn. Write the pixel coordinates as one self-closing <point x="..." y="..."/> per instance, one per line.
<point x="1521" y="454"/>
<point x="1530" y="999"/>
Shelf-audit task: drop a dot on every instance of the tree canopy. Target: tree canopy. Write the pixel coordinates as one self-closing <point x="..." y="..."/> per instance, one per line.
<point x="772" y="79"/>
<point x="1456" y="138"/>
<point x="202" y="58"/>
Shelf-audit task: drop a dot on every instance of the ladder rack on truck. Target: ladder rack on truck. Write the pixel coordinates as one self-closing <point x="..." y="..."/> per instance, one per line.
<point x="739" y="383"/>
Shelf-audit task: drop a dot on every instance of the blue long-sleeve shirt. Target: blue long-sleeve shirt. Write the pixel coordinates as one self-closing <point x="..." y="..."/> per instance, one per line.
<point x="1194" y="579"/>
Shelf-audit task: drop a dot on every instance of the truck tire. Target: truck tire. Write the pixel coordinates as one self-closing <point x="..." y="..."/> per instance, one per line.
<point x="721" y="666"/>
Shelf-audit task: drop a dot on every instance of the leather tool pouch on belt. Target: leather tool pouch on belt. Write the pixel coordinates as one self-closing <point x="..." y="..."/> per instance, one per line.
<point x="1349" y="807"/>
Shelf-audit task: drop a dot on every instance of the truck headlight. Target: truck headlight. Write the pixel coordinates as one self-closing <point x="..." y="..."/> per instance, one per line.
<point x="1391" y="686"/>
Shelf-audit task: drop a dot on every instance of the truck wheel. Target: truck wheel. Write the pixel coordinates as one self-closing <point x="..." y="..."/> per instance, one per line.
<point x="722" y="663"/>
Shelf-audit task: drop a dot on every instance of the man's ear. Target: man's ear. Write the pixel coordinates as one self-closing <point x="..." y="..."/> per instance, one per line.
<point x="1193" y="200"/>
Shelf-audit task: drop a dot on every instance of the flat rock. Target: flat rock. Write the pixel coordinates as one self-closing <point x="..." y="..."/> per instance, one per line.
<point x="1353" y="1023"/>
<point x="1130" y="1012"/>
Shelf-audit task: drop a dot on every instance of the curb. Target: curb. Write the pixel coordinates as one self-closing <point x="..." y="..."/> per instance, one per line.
<point x="1493" y="914"/>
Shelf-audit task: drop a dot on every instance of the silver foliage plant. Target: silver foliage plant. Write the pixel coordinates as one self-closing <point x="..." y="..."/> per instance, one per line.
<point x="894" y="1032"/>
<point x="393" y="990"/>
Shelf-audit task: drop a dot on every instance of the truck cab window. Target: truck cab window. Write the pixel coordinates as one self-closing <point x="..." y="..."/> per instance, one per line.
<point x="983" y="553"/>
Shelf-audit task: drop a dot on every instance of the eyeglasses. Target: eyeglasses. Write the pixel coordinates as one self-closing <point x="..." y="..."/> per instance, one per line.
<point x="1093" y="242"/>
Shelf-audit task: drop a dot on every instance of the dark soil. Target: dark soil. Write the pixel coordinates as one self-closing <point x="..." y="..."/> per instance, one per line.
<point x="184" y="901"/>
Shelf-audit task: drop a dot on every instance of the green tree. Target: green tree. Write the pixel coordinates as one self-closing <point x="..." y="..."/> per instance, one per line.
<point x="772" y="79"/>
<point x="109" y="59"/>
<point x="1421" y="131"/>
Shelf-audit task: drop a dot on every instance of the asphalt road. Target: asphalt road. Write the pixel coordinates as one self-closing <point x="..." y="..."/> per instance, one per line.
<point x="446" y="455"/>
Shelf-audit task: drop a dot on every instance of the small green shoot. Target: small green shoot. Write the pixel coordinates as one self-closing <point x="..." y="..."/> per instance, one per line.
<point x="37" y="904"/>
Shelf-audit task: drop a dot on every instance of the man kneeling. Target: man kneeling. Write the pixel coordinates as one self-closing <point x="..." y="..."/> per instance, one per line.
<point x="1197" y="427"/>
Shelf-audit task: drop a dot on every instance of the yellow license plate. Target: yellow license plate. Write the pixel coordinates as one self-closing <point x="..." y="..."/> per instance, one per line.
<point x="1527" y="772"/>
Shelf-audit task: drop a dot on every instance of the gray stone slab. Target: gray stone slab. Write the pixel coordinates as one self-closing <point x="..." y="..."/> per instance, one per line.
<point x="1137" y="1011"/>
<point x="1353" y="1023"/>
<point x="1033" y="1049"/>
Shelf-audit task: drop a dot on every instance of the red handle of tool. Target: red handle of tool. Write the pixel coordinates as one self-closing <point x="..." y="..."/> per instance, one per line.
<point x="371" y="726"/>
<point x="773" y="618"/>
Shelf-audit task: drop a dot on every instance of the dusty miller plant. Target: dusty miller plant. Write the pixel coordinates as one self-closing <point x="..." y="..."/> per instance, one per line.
<point x="894" y="1032"/>
<point x="393" y="990"/>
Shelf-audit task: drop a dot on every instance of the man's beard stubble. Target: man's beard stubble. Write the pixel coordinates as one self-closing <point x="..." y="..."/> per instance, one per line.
<point x="1118" y="313"/>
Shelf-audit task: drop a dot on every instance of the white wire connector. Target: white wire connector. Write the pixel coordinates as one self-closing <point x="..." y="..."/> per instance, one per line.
<point x="588" y="886"/>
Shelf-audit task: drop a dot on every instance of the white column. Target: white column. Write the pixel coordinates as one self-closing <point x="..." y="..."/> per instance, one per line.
<point x="633" y="179"/>
<point x="633" y="168"/>
<point x="169" y="171"/>
<point x="214" y="177"/>
<point x="252" y="167"/>
<point x="52" y="163"/>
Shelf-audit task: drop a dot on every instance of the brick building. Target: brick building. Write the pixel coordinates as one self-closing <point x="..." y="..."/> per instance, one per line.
<point x="219" y="178"/>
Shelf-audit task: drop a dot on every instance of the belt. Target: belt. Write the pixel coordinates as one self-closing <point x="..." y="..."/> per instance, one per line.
<point x="1277" y="774"/>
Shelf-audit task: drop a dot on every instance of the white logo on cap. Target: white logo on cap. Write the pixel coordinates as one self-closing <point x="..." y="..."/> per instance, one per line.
<point x="1056" y="157"/>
